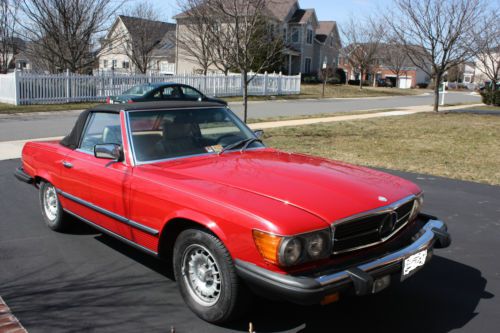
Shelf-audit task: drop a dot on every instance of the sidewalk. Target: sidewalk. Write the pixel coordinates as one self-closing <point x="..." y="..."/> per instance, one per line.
<point x="13" y="149"/>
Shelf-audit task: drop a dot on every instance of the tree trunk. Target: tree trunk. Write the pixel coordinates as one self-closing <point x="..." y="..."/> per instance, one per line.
<point x="245" y="95"/>
<point x="361" y="80"/>
<point x="436" y="92"/>
<point x="397" y="81"/>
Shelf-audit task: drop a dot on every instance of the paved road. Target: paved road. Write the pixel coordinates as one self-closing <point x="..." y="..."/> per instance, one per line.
<point x="48" y="125"/>
<point x="85" y="281"/>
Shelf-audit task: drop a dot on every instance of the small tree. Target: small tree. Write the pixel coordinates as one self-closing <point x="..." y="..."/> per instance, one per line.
<point x="194" y="40"/>
<point x="8" y="44"/>
<point x="145" y="33"/>
<point x="249" y="36"/>
<point x="363" y="39"/>
<point x="439" y="28"/>
<point x="395" y="59"/>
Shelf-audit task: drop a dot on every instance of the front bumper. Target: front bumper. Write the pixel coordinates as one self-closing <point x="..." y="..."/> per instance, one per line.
<point x="311" y="289"/>
<point x="23" y="176"/>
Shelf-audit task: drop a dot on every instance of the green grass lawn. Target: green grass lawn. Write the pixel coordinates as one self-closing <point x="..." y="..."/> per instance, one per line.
<point x="460" y="146"/>
<point x="9" y="108"/>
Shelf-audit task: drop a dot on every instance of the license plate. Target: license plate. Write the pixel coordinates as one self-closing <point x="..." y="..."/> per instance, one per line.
<point x="413" y="263"/>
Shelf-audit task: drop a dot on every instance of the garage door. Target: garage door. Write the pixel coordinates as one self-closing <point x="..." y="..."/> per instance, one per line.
<point x="405" y="82"/>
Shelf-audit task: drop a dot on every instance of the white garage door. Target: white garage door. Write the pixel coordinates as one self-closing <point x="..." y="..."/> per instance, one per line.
<point x="405" y="82"/>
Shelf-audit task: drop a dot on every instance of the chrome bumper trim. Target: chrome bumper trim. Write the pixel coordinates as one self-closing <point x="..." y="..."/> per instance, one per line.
<point x="425" y="241"/>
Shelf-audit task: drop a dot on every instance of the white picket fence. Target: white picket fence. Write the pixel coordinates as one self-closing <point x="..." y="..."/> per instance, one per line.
<point x="26" y="88"/>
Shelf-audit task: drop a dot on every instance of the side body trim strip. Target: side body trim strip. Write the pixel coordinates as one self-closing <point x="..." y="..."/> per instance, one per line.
<point x="106" y="231"/>
<point x="106" y="212"/>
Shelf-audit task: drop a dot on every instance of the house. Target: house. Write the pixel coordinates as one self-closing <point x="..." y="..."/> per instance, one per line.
<point x="154" y="45"/>
<point x="310" y="43"/>
<point x="390" y="63"/>
<point x="17" y="60"/>
<point x="487" y="62"/>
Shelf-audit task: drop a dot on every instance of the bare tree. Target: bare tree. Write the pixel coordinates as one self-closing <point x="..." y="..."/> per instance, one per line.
<point x="66" y="31"/>
<point x="194" y="40"/>
<point x="485" y="45"/>
<point x="395" y="59"/>
<point x="362" y="40"/>
<point x="251" y="39"/>
<point x="8" y="43"/>
<point x="145" y="33"/>
<point x="439" y="28"/>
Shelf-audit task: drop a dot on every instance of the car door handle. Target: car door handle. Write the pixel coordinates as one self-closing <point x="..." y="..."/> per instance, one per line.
<point x="67" y="164"/>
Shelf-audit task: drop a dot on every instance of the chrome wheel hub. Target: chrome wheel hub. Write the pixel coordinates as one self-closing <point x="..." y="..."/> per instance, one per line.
<point x="50" y="203"/>
<point x="201" y="275"/>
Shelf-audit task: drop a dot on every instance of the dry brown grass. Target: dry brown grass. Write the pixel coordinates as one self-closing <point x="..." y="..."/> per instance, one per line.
<point x="460" y="146"/>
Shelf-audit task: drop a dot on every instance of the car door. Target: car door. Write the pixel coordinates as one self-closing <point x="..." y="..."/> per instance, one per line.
<point x="101" y="185"/>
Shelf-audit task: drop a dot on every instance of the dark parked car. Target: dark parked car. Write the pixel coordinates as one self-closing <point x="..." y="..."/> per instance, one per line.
<point x="162" y="92"/>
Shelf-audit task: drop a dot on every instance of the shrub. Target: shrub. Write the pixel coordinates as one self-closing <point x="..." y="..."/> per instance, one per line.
<point x="422" y="85"/>
<point x="310" y="79"/>
<point x="491" y="97"/>
<point x="356" y="83"/>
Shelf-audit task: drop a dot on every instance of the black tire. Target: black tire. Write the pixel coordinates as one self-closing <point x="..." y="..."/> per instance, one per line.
<point x="55" y="219"/>
<point x="233" y="299"/>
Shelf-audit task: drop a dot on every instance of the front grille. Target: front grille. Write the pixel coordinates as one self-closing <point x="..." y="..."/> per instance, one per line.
<point x="372" y="228"/>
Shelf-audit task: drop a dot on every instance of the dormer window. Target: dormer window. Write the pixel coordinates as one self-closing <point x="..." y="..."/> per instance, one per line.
<point x="309" y="36"/>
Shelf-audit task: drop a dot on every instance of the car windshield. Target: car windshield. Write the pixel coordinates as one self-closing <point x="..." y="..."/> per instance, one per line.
<point x="139" y="90"/>
<point x="159" y="135"/>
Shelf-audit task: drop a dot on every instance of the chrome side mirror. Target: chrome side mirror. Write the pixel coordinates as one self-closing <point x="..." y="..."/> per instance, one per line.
<point x="108" y="151"/>
<point x="259" y="134"/>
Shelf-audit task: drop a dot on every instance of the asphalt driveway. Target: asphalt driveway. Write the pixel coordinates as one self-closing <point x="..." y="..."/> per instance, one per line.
<point x="85" y="281"/>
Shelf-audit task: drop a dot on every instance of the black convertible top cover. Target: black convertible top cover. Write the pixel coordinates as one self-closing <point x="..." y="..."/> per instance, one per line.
<point x="72" y="140"/>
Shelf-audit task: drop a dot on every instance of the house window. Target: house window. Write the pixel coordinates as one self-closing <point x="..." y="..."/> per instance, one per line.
<point x="126" y="64"/>
<point x="307" y="68"/>
<point x="331" y="41"/>
<point x="295" y="35"/>
<point x="285" y="34"/>
<point x="309" y="36"/>
<point x="105" y="63"/>
<point x="113" y="63"/>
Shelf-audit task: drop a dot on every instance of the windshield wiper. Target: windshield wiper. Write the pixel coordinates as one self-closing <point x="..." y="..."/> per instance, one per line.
<point x="244" y="142"/>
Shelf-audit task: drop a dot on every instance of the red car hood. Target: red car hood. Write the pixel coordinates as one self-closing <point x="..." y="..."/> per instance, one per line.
<point x="330" y="190"/>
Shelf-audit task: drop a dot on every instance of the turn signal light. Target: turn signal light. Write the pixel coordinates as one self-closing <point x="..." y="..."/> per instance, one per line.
<point x="268" y="245"/>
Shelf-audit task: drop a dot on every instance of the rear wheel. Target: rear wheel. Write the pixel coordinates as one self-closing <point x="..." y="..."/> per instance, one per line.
<point x="52" y="211"/>
<point x="206" y="277"/>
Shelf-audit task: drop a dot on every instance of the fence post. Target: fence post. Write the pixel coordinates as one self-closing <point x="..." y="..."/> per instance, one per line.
<point x="150" y="79"/>
<point x="112" y="81"/>
<point x="67" y="86"/>
<point x="215" y="81"/>
<point x="266" y="78"/>
<point x="17" y="87"/>
<point x="280" y="82"/>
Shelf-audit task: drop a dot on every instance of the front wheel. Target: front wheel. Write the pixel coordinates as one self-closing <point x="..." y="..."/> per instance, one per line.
<point x="206" y="277"/>
<point x="52" y="210"/>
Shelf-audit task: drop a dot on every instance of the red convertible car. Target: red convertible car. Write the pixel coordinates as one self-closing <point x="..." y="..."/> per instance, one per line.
<point x="192" y="184"/>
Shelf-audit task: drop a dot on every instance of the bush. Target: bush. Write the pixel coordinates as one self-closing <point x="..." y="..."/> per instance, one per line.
<point x="356" y="83"/>
<point x="491" y="97"/>
<point x="422" y="85"/>
<point x="310" y="79"/>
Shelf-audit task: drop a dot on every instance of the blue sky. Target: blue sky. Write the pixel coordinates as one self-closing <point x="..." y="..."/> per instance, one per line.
<point x="336" y="10"/>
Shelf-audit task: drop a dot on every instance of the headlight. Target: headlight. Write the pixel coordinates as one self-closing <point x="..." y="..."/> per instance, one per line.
<point x="290" y="251"/>
<point x="293" y="250"/>
<point x="417" y="206"/>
